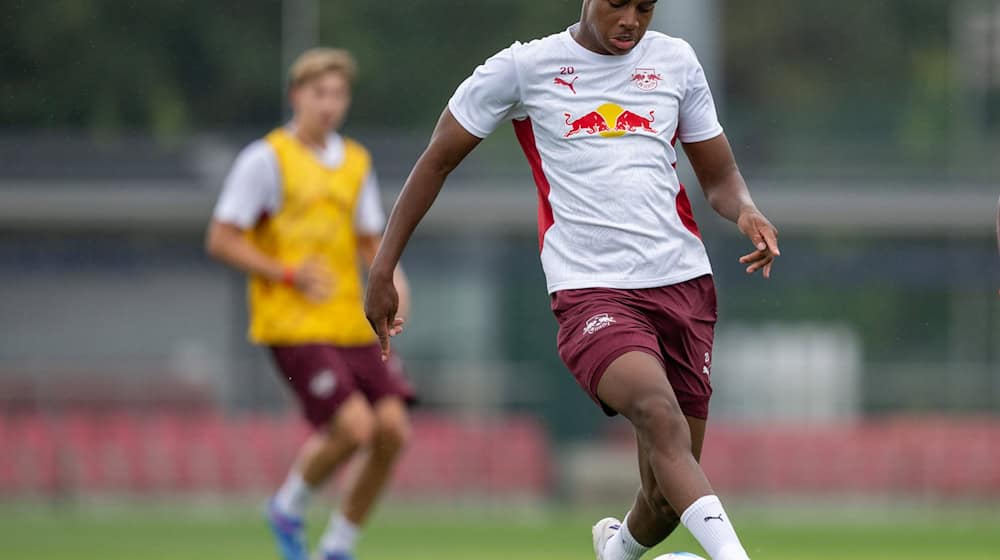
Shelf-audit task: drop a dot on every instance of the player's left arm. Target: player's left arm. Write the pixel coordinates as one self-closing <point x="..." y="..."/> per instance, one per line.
<point x="368" y="247"/>
<point x="727" y="192"/>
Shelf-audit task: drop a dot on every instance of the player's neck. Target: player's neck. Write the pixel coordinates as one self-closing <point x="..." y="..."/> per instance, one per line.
<point x="585" y="39"/>
<point x="314" y="138"/>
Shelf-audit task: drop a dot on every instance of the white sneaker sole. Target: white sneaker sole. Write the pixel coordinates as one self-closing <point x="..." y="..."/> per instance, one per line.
<point x="602" y="532"/>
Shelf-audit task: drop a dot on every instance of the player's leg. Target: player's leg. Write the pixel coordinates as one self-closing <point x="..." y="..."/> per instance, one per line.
<point x="385" y="384"/>
<point x="392" y="432"/>
<point x="322" y="454"/>
<point x="612" y="343"/>
<point x="636" y="386"/>
<point x="651" y="519"/>
<point x="351" y="429"/>
<point x="343" y="422"/>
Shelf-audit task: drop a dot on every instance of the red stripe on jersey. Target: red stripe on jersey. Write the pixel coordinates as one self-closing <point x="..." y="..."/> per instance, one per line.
<point x="682" y="203"/>
<point x="526" y="136"/>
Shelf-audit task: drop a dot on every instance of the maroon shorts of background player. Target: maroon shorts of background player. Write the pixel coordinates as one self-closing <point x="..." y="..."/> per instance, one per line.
<point x="323" y="376"/>
<point x="675" y="324"/>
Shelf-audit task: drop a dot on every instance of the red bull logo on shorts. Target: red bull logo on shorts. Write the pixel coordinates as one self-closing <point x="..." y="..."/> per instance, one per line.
<point x="610" y="120"/>
<point x="598" y="322"/>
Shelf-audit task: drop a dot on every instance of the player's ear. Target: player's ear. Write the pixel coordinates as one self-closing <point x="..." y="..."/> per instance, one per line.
<point x="292" y="95"/>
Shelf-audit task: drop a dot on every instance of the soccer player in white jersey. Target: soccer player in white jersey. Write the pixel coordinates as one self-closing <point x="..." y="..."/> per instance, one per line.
<point x="597" y="109"/>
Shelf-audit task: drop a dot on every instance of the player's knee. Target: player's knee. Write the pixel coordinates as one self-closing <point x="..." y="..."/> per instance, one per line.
<point x="355" y="426"/>
<point x="659" y="420"/>
<point x="391" y="436"/>
<point x="392" y="428"/>
<point x="656" y="414"/>
<point x="360" y="433"/>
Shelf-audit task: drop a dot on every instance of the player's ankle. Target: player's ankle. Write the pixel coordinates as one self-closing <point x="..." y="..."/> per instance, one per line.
<point x="341" y="534"/>
<point x="709" y="523"/>
<point x="623" y="546"/>
<point x="293" y="496"/>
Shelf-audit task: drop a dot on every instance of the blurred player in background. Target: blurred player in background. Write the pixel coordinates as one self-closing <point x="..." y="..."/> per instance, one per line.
<point x="297" y="210"/>
<point x="597" y="109"/>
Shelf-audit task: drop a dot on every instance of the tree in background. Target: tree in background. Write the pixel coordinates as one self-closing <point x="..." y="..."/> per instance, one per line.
<point x="809" y="83"/>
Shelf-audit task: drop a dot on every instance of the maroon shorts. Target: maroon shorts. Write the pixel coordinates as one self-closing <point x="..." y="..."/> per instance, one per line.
<point x="675" y="324"/>
<point x="323" y="376"/>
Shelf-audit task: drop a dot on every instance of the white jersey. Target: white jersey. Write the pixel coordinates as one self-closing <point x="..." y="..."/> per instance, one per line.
<point x="253" y="189"/>
<point x="599" y="133"/>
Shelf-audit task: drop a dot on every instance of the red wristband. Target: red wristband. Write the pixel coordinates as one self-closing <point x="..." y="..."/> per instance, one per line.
<point x="288" y="276"/>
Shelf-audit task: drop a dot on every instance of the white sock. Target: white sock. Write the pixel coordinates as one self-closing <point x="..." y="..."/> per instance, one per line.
<point x="709" y="523"/>
<point x="623" y="545"/>
<point x="340" y="534"/>
<point x="293" y="496"/>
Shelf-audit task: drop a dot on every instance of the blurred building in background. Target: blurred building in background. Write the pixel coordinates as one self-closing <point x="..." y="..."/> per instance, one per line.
<point x="868" y="132"/>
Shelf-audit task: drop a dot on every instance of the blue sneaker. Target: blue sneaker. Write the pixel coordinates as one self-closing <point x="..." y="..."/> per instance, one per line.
<point x="289" y="532"/>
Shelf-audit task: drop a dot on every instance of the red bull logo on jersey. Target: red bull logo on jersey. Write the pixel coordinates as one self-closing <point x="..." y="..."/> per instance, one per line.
<point x="646" y="79"/>
<point x="610" y="121"/>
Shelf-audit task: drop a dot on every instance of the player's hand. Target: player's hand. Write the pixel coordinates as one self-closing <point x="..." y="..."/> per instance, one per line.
<point x="764" y="236"/>
<point x="314" y="281"/>
<point x="381" y="305"/>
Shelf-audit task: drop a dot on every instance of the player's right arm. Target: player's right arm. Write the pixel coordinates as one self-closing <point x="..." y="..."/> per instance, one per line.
<point x="251" y="190"/>
<point x="450" y="144"/>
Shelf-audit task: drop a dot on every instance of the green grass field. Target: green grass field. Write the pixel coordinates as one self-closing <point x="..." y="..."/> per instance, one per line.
<point x="135" y="533"/>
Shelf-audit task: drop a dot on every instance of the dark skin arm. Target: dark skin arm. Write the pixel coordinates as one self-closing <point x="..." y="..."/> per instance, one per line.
<point x="727" y="193"/>
<point x="449" y="145"/>
<point x="367" y="248"/>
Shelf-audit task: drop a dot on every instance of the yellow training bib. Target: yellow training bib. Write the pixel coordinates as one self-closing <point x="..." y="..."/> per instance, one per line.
<point x="315" y="222"/>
